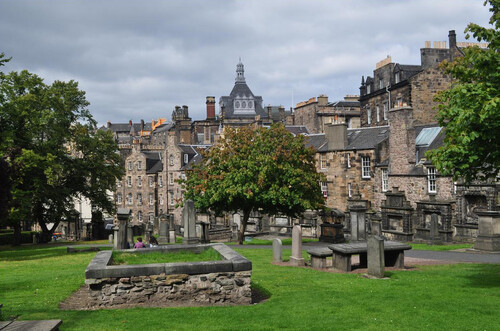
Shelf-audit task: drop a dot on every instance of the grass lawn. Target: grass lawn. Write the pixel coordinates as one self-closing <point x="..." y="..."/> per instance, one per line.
<point x="164" y="257"/>
<point x="284" y="241"/>
<point x="33" y="280"/>
<point x="447" y="247"/>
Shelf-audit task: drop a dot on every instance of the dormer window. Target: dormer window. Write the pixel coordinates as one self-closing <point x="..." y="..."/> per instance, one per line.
<point x="397" y="77"/>
<point x="381" y="83"/>
<point x="186" y="158"/>
<point x="368" y="89"/>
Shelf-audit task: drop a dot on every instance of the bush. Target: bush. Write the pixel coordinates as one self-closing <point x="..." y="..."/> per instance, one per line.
<point x="7" y="238"/>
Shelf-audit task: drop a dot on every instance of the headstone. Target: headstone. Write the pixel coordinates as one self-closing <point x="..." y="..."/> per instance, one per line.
<point x="354" y="226"/>
<point x="164" y="229"/>
<point x="123" y="215"/>
<point x="130" y="236"/>
<point x="115" y="237"/>
<point x="488" y="237"/>
<point x="376" y="227"/>
<point x="434" y="237"/>
<point x="277" y="250"/>
<point x="205" y="237"/>
<point x="296" y="259"/>
<point x="376" y="259"/>
<point x="110" y="238"/>
<point x="171" y="236"/>
<point x="189" y="221"/>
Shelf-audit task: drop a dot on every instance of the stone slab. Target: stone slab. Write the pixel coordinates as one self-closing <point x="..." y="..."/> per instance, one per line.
<point x="361" y="247"/>
<point x="277" y="250"/>
<point x="376" y="257"/>
<point x="46" y="325"/>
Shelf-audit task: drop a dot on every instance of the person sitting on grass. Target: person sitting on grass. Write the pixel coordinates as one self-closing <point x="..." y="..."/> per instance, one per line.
<point x="139" y="243"/>
<point x="153" y="242"/>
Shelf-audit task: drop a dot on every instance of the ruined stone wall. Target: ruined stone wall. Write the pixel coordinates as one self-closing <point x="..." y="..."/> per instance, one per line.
<point x="212" y="288"/>
<point x="424" y="87"/>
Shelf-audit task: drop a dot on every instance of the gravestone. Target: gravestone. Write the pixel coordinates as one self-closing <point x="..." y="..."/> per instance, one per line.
<point x="434" y="237"/>
<point x="376" y="258"/>
<point x="163" y="232"/>
<point x="358" y="231"/>
<point x="277" y="250"/>
<point x="189" y="221"/>
<point x="376" y="227"/>
<point x="488" y="237"/>
<point x="110" y="238"/>
<point x="296" y="259"/>
<point x="115" y="236"/>
<point x="123" y="215"/>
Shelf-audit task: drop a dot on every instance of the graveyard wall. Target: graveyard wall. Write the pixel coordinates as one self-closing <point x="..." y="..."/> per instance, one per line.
<point x="211" y="288"/>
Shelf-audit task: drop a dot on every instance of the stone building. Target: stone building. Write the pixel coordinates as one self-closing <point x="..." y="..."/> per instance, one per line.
<point x="316" y="113"/>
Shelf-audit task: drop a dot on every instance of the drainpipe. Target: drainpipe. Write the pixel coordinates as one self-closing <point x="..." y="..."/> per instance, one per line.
<point x="389" y="92"/>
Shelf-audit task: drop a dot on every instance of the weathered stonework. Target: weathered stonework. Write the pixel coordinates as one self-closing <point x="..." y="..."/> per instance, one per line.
<point x="211" y="282"/>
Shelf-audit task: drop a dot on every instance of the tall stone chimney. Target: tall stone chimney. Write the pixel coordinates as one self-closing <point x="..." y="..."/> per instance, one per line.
<point x="336" y="134"/>
<point x="210" y="108"/>
<point x="322" y="100"/>
<point x="452" y="38"/>
<point x="142" y="125"/>
<point x="402" y="140"/>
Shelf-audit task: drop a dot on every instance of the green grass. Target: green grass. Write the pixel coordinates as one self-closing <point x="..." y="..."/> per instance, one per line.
<point x="447" y="247"/>
<point x="34" y="279"/>
<point x="284" y="241"/>
<point x="161" y="257"/>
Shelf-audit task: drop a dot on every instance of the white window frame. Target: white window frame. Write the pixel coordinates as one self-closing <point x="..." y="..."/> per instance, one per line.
<point x="386" y="110"/>
<point x="171" y="179"/>
<point x="186" y="158"/>
<point x="119" y="198"/>
<point x="368" y="115"/>
<point x="161" y="199"/>
<point x="171" y="197"/>
<point x="139" y="198"/>
<point x="171" y="158"/>
<point x="385" y="179"/>
<point x="139" y="216"/>
<point x="129" y="181"/>
<point x="139" y="181"/>
<point x="160" y="181"/>
<point x="130" y="199"/>
<point x="151" y="198"/>
<point x="348" y="155"/>
<point x="118" y="183"/>
<point x="365" y="167"/>
<point x="378" y="113"/>
<point x="324" y="188"/>
<point x="431" y="180"/>
<point x="381" y="83"/>
<point x="397" y="77"/>
<point x="322" y="161"/>
<point x="129" y="165"/>
<point x="349" y="190"/>
<point x="368" y="89"/>
<point x="139" y="165"/>
<point x="151" y="181"/>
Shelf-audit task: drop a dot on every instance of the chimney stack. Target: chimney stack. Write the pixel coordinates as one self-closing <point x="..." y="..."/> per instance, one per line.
<point x="452" y="37"/>
<point x="210" y="108"/>
<point x="336" y="134"/>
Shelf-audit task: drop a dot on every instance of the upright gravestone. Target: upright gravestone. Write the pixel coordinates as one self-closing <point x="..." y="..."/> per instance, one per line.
<point x="130" y="236"/>
<point x="189" y="221"/>
<point x="434" y="237"/>
<point x="488" y="237"/>
<point x="115" y="236"/>
<point x="376" y="259"/>
<point x="163" y="233"/>
<point x="277" y="250"/>
<point x="123" y="215"/>
<point x="296" y="259"/>
<point x="110" y="238"/>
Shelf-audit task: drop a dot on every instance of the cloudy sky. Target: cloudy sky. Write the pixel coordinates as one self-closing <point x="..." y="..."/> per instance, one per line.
<point x="138" y="59"/>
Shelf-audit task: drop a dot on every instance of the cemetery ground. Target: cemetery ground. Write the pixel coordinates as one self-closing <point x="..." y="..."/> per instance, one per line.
<point x="34" y="280"/>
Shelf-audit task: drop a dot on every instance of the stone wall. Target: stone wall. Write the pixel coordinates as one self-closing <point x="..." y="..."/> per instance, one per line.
<point x="211" y="288"/>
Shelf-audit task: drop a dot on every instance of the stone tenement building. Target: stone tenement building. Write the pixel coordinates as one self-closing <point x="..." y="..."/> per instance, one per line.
<point x="395" y="84"/>
<point x="316" y="113"/>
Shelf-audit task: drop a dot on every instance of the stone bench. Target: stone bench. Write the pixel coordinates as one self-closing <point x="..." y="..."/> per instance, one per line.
<point x="318" y="256"/>
<point x="47" y="325"/>
<point x="393" y="254"/>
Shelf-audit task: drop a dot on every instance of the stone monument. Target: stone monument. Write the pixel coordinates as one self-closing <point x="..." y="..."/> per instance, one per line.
<point x="277" y="250"/>
<point x="376" y="258"/>
<point x="296" y="259"/>
<point x="434" y="237"/>
<point x="163" y="233"/>
<point x="189" y="221"/>
<point x="123" y="215"/>
<point x="488" y="238"/>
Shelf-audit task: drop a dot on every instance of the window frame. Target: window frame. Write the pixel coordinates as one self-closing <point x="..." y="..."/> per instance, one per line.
<point x="322" y="160"/>
<point x="385" y="179"/>
<point x="139" y="165"/>
<point x="119" y="198"/>
<point x="431" y="180"/>
<point x="151" y="181"/>
<point x="365" y="167"/>
<point x="348" y="160"/>
<point x="368" y="115"/>
<point x="129" y="181"/>
<point x="386" y="110"/>
<point x="139" y="181"/>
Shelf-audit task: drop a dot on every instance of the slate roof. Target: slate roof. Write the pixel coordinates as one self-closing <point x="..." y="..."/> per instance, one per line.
<point x="153" y="162"/>
<point x="126" y="127"/>
<point x="163" y="128"/>
<point x="345" y="104"/>
<point x="193" y="152"/>
<point x="366" y="138"/>
<point x="317" y="141"/>
<point x="409" y="70"/>
<point x="297" y="129"/>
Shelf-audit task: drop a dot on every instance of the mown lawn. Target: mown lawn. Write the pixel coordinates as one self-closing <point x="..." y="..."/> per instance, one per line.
<point x="453" y="297"/>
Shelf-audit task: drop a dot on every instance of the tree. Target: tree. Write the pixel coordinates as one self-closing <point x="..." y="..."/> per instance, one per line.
<point x="470" y="109"/>
<point x="53" y="151"/>
<point x="266" y="170"/>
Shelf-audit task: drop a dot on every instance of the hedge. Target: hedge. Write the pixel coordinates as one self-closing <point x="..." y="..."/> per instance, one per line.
<point x="8" y="238"/>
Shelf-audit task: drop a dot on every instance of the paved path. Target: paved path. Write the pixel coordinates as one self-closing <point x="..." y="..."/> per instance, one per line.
<point x="455" y="256"/>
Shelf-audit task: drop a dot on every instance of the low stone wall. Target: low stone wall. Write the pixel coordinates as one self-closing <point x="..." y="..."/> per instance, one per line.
<point x="207" y="282"/>
<point x="212" y="288"/>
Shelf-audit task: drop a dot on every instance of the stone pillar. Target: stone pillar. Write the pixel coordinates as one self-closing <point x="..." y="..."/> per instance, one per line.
<point x="376" y="226"/>
<point x="488" y="238"/>
<point x="296" y="259"/>
<point x="115" y="237"/>
<point x="163" y="231"/>
<point x="123" y="215"/>
<point x="189" y="221"/>
<point x="277" y="250"/>
<point x="376" y="259"/>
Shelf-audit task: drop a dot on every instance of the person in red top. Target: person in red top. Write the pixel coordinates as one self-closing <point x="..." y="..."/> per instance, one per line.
<point x="139" y="243"/>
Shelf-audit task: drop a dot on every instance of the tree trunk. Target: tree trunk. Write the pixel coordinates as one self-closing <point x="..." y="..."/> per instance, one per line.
<point x="17" y="234"/>
<point x="243" y="227"/>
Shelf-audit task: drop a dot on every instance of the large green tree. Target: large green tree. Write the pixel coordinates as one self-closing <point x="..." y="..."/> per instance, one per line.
<point x="470" y="109"/>
<point x="53" y="151"/>
<point x="266" y="170"/>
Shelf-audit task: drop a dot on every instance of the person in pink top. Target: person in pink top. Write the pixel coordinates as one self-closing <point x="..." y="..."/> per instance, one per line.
<point x="139" y="243"/>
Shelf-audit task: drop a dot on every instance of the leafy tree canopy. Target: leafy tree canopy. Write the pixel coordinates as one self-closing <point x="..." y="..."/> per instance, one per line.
<point x="53" y="150"/>
<point x="266" y="170"/>
<point x="470" y="109"/>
